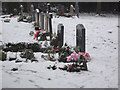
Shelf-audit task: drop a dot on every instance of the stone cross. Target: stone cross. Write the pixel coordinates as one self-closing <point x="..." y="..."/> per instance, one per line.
<point x="80" y="37"/>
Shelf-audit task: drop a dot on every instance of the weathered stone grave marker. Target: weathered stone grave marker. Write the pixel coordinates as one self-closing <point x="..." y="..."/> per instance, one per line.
<point x="46" y="22"/>
<point x="0" y="8"/>
<point x="21" y="10"/>
<point x="80" y="37"/>
<point x="15" y="11"/>
<point x="42" y="20"/>
<point x="37" y="19"/>
<point x="32" y="12"/>
<point x="60" y="34"/>
<point x="50" y="25"/>
<point x="77" y="9"/>
<point x="71" y="10"/>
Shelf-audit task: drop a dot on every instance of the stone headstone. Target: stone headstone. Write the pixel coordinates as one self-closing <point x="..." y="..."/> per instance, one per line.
<point x="37" y="18"/>
<point x="0" y="8"/>
<point x="71" y="10"/>
<point x="15" y="11"/>
<point x="50" y="25"/>
<point x="60" y="34"/>
<point x="32" y="12"/>
<point x="80" y="37"/>
<point x="77" y="9"/>
<point x="48" y="7"/>
<point x="42" y="20"/>
<point x="46" y="22"/>
<point x="21" y="10"/>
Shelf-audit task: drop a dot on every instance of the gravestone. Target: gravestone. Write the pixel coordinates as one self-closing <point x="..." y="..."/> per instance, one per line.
<point x="80" y="37"/>
<point x="50" y="25"/>
<point x="42" y="20"/>
<point x="48" y="7"/>
<point x="71" y="10"/>
<point x="46" y="22"/>
<point x="32" y="12"/>
<point x="77" y="9"/>
<point x="21" y="10"/>
<point x="37" y="18"/>
<point x="0" y="8"/>
<point x="60" y="34"/>
<point x="15" y="11"/>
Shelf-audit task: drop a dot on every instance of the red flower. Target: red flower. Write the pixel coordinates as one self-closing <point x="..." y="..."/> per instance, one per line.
<point x="70" y="66"/>
<point x="56" y="48"/>
<point x="59" y="67"/>
<point x="37" y="33"/>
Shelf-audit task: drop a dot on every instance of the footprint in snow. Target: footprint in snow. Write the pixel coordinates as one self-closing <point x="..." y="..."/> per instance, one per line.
<point x="31" y="81"/>
<point x="38" y="86"/>
<point x="82" y="86"/>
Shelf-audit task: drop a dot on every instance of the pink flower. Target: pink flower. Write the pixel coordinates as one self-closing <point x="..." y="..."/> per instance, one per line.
<point x="81" y="53"/>
<point x="75" y="57"/>
<point x="69" y="59"/>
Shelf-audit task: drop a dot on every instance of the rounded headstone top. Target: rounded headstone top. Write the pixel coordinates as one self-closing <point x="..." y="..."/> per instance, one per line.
<point x="59" y="26"/>
<point x="80" y="26"/>
<point x="71" y="5"/>
<point x="32" y="5"/>
<point x="48" y="3"/>
<point x="21" y="6"/>
<point x="37" y="10"/>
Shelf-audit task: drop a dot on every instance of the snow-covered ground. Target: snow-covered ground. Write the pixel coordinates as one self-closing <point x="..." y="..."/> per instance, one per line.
<point x="101" y="33"/>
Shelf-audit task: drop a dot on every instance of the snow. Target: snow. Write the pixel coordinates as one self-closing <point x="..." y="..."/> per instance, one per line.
<point x="37" y="10"/>
<point x="103" y="67"/>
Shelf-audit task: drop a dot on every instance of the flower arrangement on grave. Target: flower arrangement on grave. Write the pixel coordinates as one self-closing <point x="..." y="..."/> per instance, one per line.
<point x="79" y="62"/>
<point x="40" y="35"/>
<point x="64" y="52"/>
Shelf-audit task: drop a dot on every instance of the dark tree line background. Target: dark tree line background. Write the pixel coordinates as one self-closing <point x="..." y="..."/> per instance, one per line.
<point x="87" y="7"/>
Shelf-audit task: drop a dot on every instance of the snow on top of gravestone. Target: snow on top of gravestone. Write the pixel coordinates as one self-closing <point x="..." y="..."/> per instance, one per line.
<point x="37" y="10"/>
<point x="21" y="5"/>
<point x="32" y="5"/>
<point x="71" y="5"/>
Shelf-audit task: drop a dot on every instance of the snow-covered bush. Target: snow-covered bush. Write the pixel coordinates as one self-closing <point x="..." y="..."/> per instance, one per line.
<point x="50" y="56"/>
<point x="27" y="53"/>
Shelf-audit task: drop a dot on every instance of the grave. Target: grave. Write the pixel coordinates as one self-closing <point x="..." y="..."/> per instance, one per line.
<point x="46" y="22"/>
<point x="15" y="11"/>
<point x="60" y="34"/>
<point x="77" y="9"/>
<point x="71" y="10"/>
<point x="32" y="12"/>
<point x="42" y="20"/>
<point x="21" y="10"/>
<point x="37" y="18"/>
<point x="80" y="37"/>
<point x="50" y="25"/>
